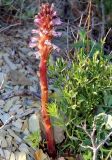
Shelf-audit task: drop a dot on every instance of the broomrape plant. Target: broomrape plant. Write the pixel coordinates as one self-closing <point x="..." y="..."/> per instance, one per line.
<point x="45" y="21"/>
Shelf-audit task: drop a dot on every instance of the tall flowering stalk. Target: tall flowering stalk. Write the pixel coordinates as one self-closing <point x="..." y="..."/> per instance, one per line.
<point x="45" y="22"/>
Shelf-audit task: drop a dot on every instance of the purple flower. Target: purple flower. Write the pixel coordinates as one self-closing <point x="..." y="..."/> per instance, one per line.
<point x="32" y="45"/>
<point x="56" y="21"/>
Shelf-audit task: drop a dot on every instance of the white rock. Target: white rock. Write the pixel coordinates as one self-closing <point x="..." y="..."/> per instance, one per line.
<point x="5" y="117"/>
<point x="7" y="154"/>
<point x="20" y="156"/>
<point x="2" y="77"/>
<point x="34" y="123"/>
<point x="2" y="102"/>
<point x="14" y="135"/>
<point x="1" y="111"/>
<point x="3" y="132"/>
<point x="23" y="147"/>
<point x="17" y="123"/>
<point x="3" y="142"/>
<point x="12" y="156"/>
<point x="1" y="152"/>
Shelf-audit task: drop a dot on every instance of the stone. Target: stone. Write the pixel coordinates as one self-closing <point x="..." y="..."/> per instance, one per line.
<point x="26" y="132"/>
<point x="19" y="78"/>
<point x="24" y="114"/>
<point x="2" y="78"/>
<point x="23" y="147"/>
<point x="20" y="112"/>
<point x="25" y="125"/>
<point x="3" y="133"/>
<point x="3" y="142"/>
<point x="10" y="64"/>
<point x="17" y="123"/>
<point x="1" y="62"/>
<point x="10" y="103"/>
<point x="20" y="156"/>
<point x="4" y="118"/>
<point x="15" y="108"/>
<point x="58" y="134"/>
<point x="14" y="135"/>
<point x="6" y="154"/>
<point x="1" y="152"/>
<point x="34" y="123"/>
<point x="12" y="156"/>
<point x="15" y="129"/>
<point x="2" y="102"/>
<point x="9" y="140"/>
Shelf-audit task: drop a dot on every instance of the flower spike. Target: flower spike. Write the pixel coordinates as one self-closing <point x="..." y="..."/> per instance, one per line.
<point x="45" y="22"/>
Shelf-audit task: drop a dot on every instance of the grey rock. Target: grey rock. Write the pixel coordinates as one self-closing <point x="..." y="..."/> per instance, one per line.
<point x="3" y="142"/>
<point x="9" y="140"/>
<point x="2" y="102"/>
<point x="10" y="103"/>
<point x="10" y="64"/>
<point x="17" y="123"/>
<point x="17" y="138"/>
<point x="4" y="118"/>
<point x="23" y="147"/>
<point x="58" y="134"/>
<point x="34" y="123"/>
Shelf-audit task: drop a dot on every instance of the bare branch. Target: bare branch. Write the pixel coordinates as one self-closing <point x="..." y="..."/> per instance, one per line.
<point x="101" y="144"/>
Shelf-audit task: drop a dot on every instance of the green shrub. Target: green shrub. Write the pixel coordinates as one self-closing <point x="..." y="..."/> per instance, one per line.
<point x="85" y="85"/>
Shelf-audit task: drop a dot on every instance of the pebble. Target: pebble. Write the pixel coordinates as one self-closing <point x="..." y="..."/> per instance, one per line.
<point x="34" y="123"/>
<point x="3" y="132"/>
<point x="2" y="102"/>
<point x="2" y="77"/>
<point x="9" y="140"/>
<point x="15" y="129"/>
<point x="10" y="64"/>
<point x="26" y="132"/>
<point x="17" y="123"/>
<point x="14" y="135"/>
<point x="1" y="62"/>
<point x="15" y="108"/>
<point x="1" y="152"/>
<point x="23" y="147"/>
<point x="27" y="112"/>
<point x="3" y="142"/>
<point x="7" y="154"/>
<point x="10" y="103"/>
<point x="20" y="112"/>
<point x="12" y="156"/>
<point x="58" y="134"/>
<point x="20" y="156"/>
<point x="5" y="117"/>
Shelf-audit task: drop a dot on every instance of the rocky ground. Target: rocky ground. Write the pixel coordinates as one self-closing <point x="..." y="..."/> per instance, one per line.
<point x="19" y="94"/>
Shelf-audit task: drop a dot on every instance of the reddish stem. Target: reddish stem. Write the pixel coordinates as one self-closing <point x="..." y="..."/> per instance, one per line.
<point x="44" y="102"/>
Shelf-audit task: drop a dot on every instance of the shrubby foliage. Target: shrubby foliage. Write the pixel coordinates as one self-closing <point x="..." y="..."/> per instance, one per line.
<point x="85" y="86"/>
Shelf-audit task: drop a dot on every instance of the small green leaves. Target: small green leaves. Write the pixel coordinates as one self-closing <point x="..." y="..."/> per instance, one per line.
<point x="34" y="139"/>
<point x="53" y="110"/>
